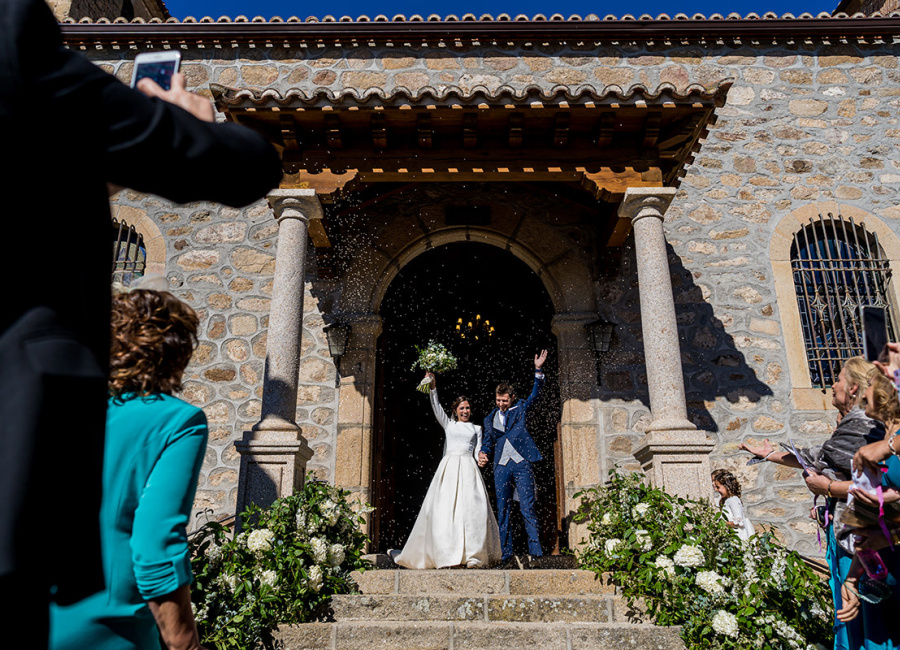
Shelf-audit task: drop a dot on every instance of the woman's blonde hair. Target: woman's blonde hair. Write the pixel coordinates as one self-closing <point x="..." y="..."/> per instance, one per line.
<point x="885" y="406"/>
<point x="859" y="372"/>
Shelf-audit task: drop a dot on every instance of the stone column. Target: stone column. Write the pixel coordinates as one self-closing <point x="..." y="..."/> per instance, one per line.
<point x="274" y="452"/>
<point x="354" y="446"/>
<point x="582" y="451"/>
<point x="675" y="454"/>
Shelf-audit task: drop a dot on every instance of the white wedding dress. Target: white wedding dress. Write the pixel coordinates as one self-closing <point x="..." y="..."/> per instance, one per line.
<point x="456" y="525"/>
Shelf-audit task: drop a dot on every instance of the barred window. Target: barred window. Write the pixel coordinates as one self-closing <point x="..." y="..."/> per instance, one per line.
<point x="129" y="254"/>
<point x="838" y="268"/>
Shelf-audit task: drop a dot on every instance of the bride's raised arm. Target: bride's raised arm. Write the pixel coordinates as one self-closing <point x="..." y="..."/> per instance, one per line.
<point x="439" y="413"/>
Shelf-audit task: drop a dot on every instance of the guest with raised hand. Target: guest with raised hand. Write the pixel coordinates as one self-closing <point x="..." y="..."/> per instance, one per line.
<point x="831" y="478"/>
<point x="876" y="603"/>
<point x="154" y="448"/>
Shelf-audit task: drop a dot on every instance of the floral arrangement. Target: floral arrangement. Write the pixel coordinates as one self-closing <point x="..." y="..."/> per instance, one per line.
<point x="434" y="357"/>
<point x="283" y="567"/>
<point x="681" y="562"/>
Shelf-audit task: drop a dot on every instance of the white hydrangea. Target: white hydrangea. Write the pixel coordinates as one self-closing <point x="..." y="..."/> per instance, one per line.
<point x="606" y="519"/>
<point x="336" y="555"/>
<point x="315" y="578"/>
<point x="710" y="582"/>
<point x="640" y="510"/>
<point x="232" y="581"/>
<point x="612" y="545"/>
<point x="260" y="540"/>
<point x="785" y="632"/>
<point x="645" y="542"/>
<point x="689" y="556"/>
<point x="300" y="520"/>
<point x="725" y="624"/>
<point x="268" y="577"/>
<point x="330" y="511"/>
<point x="667" y="565"/>
<point x="214" y="553"/>
<point x="319" y="549"/>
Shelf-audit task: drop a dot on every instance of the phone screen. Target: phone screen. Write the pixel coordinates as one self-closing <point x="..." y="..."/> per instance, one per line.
<point x="875" y="336"/>
<point x="159" y="71"/>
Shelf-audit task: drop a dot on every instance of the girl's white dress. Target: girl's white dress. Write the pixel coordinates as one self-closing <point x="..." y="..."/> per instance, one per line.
<point x="733" y="510"/>
<point x="456" y="525"/>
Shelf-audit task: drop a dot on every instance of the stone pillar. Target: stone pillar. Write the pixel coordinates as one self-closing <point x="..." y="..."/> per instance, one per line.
<point x="274" y="452"/>
<point x="354" y="446"/>
<point x="675" y="454"/>
<point x="582" y="453"/>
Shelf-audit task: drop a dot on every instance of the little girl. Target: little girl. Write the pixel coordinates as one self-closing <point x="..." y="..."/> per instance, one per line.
<point x="729" y="489"/>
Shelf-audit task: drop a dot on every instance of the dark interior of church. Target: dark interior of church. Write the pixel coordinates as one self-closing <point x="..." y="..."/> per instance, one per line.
<point x="442" y="288"/>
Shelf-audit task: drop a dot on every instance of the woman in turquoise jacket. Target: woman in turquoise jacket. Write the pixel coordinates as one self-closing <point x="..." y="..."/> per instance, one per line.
<point x="155" y="445"/>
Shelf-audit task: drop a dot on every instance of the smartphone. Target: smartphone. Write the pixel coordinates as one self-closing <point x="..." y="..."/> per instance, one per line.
<point x="875" y="336"/>
<point x="158" y="66"/>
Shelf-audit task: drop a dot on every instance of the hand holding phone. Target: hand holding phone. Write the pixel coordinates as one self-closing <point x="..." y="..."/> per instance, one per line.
<point x="194" y="104"/>
<point x="157" y="66"/>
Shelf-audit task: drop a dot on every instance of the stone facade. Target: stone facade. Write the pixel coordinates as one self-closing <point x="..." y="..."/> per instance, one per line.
<point x="95" y="9"/>
<point x="806" y="121"/>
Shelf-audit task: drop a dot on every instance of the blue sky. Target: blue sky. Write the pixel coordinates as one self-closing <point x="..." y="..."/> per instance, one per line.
<point x="371" y="8"/>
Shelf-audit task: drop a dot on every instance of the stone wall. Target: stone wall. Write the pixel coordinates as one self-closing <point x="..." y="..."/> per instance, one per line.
<point x="95" y="9"/>
<point x="803" y="123"/>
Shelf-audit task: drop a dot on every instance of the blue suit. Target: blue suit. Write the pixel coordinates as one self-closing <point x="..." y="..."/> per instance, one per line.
<point x="515" y="476"/>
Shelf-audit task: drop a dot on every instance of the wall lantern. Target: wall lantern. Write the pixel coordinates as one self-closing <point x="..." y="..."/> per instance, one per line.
<point x="337" y="334"/>
<point x="601" y="335"/>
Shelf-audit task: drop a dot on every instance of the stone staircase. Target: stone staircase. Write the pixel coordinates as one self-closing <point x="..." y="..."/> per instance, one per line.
<point x="446" y="609"/>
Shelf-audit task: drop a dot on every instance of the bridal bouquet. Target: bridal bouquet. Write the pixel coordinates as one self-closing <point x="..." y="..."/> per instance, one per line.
<point x="435" y="358"/>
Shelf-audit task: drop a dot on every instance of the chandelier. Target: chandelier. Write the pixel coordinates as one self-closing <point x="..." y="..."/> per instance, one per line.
<point x="474" y="329"/>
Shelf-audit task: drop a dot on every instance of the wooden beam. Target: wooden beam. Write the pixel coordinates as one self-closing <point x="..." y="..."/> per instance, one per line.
<point x="379" y="131"/>
<point x="425" y="131"/>
<point x="651" y="128"/>
<point x="289" y="133"/>
<point x="561" y="130"/>
<point x="333" y="132"/>
<point x="607" y="129"/>
<point x="470" y="130"/>
<point x="516" y="131"/>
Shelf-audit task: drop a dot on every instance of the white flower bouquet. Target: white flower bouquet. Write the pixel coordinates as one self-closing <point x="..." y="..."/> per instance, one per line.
<point x="435" y="358"/>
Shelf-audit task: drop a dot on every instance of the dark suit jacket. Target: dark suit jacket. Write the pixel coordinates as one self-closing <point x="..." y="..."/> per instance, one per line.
<point x="67" y="128"/>
<point x="516" y="431"/>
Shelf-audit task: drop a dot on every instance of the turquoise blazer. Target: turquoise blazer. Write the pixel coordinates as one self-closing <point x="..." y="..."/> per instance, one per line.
<point x="154" y="449"/>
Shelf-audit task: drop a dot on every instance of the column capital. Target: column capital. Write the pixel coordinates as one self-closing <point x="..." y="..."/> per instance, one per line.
<point x="293" y="203"/>
<point x="640" y="202"/>
<point x="572" y="321"/>
<point x="363" y="323"/>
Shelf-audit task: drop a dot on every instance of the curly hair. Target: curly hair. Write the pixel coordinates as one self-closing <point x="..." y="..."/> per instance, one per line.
<point x="459" y="400"/>
<point x="728" y="481"/>
<point x="884" y="406"/>
<point x="153" y="338"/>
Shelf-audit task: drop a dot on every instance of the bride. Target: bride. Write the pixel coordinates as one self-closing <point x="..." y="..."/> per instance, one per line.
<point x="456" y="525"/>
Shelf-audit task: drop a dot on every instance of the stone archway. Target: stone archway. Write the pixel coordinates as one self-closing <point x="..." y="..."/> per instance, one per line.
<point x="564" y="268"/>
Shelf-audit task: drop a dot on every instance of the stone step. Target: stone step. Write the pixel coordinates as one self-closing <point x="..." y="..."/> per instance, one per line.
<point x="481" y="582"/>
<point x="497" y="608"/>
<point x="440" y="635"/>
<point x="385" y="561"/>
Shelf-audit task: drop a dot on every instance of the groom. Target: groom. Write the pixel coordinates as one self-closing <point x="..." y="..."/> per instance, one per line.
<point x="506" y="437"/>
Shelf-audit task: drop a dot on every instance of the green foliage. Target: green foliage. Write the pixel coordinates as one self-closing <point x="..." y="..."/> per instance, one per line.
<point x="681" y="561"/>
<point x="283" y="567"/>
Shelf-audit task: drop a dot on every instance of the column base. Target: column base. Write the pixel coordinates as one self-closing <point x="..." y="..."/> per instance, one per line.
<point x="273" y="465"/>
<point x="678" y="462"/>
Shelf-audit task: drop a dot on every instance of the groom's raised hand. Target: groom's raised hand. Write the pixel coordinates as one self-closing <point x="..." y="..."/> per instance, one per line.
<point x="539" y="359"/>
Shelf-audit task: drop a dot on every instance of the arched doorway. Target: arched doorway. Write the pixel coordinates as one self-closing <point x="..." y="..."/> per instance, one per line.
<point x="424" y="302"/>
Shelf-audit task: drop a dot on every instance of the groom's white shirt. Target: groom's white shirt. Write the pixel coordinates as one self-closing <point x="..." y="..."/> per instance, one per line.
<point x="509" y="452"/>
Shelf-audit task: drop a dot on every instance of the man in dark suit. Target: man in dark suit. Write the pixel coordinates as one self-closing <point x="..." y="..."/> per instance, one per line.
<point x="68" y="130"/>
<point x="507" y="439"/>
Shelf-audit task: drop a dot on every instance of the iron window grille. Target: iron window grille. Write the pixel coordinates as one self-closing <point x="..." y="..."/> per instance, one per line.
<point x="838" y="268"/>
<point x="129" y="256"/>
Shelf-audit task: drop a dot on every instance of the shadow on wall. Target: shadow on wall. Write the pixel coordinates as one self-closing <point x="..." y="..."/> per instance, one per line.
<point x="713" y="365"/>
